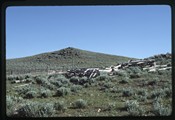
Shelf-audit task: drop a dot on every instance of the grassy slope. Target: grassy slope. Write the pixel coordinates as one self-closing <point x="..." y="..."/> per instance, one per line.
<point x="63" y="59"/>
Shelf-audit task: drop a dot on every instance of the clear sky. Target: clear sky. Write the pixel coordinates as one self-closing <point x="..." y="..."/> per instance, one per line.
<point x="133" y="31"/>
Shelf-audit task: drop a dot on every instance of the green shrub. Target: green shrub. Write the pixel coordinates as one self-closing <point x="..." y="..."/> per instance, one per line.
<point x="28" y="80"/>
<point x="157" y="93"/>
<point x="80" y="103"/>
<point x="124" y="80"/>
<point x="11" y="103"/>
<point x="167" y="92"/>
<point x="111" y="106"/>
<point x="152" y="82"/>
<point x="134" y="70"/>
<point x="142" y="98"/>
<point x="36" y="109"/>
<point x="127" y="92"/>
<point x="108" y="85"/>
<point x="83" y="80"/>
<point x="30" y="94"/>
<point x="11" y="77"/>
<point x="74" y="80"/>
<point x="24" y="90"/>
<point x="56" y="83"/>
<point x="114" y="90"/>
<point x="46" y="93"/>
<point x="101" y="78"/>
<point x="160" y="110"/>
<point x="120" y="73"/>
<point x="40" y="79"/>
<point x="62" y="91"/>
<point x="20" y="77"/>
<point x="60" y="105"/>
<point x="142" y="92"/>
<point x="135" y="75"/>
<point x="64" y="81"/>
<point x="133" y="108"/>
<point x="48" y="85"/>
<point x="75" y="88"/>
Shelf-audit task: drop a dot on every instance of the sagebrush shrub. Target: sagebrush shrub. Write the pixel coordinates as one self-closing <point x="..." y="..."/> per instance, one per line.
<point x="30" y="94"/>
<point x="111" y="106"/>
<point x="11" y="103"/>
<point x="102" y="78"/>
<point x="167" y="92"/>
<point x="60" y="105"/>
<point x="80" y="103"/>
<point x="46" y="93"/>
<point x="36" y="109"/>
<point x="124" y="80"/>
<point x="108" y="84"/>
<point x="127" y="92"/>
<point x="133" y="108"/>
<point x="74" y="80"/>
<point x="142" y="92"/>
<point x="161" y="110"/>
<point x="40" y="79"/>
<point x="75" y="88"/>
<point x="56" y="83"/>
<point x="62" y="91"/>
<point x="157" y="93"/>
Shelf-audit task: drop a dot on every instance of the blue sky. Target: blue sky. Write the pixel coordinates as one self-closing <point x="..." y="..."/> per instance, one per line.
<point x="133" y="31"/>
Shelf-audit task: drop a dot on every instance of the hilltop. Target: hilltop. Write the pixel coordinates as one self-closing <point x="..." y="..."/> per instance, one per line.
<point x="63" y="59"/>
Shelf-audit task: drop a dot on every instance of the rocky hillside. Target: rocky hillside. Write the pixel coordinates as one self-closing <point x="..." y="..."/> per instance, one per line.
<point x="63" y="59"/>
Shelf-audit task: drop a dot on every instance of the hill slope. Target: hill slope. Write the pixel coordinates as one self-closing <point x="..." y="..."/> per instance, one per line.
<point x="62" y="60"/>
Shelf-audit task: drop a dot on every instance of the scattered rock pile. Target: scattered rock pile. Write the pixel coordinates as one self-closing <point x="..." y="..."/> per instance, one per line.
<point x="87" y="72"/>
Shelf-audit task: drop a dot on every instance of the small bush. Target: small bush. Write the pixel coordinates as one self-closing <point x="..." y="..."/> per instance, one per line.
<point x="135" y="75"/>
<point x="40" y="79"/>
<point x="28" y="80"/>
<point x="141" y="98"/>
<point x="128" y="92"/>
<point x="62" y="91"/>
<point x="134" y="70"/>
<point x="24" y="90"/>
<point x="160" y="110"/>
<point x="11" y="77"/>
<point x="11" y="102"/>
<point x="157" y="93"/>
<point x="120" y="73"/>
<point x="20" y="77"/>
<point x="108" y="85"/>
<point x="167" y="92"/>
<point x="46" y="93"/>
<point x="74" y="80"/>
<point x="30" y="94"/>
<point x="83" y="80"/>
<point x="48" y="85"/>
<point x="75" y="88"/>
<point x="133" y="108"/>
<point x="64" y="81"/>
<point x="124" y="80"/>
<point x="114" y="90"/>
<point x="80" y="103"/>
<point x="142" y="92"/>
<point x="56" y="83"/>
<point x="152" y="82"/>
<point x="36" y="109"/>
<point x="101" y="78"/>
<point x="60" y="105"/>
<point x="111" y="106"/>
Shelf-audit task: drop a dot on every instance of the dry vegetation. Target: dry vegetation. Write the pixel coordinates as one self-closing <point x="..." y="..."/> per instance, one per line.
<point x="132" y="92"/>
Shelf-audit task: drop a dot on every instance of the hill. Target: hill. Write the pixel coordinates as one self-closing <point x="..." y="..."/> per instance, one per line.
<point x="63" y="59"/>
